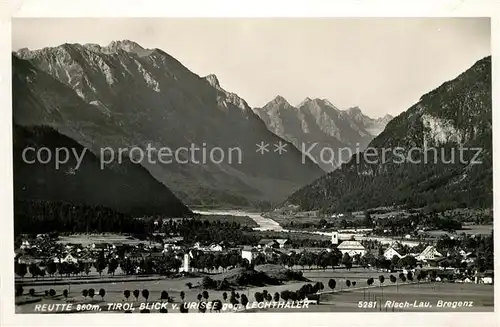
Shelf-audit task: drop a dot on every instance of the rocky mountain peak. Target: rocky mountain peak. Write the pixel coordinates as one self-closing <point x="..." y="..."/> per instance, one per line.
<point x="354" y="111"/>
<point x="125" y="45"/>
<point x="325" y="102"/>
<point x="305" y="101"/>
<point x="213" y="80"/>
<point x="387" y="118"/>
<point x="280" y="100"/>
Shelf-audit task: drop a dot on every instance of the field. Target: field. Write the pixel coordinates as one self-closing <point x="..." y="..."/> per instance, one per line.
<point x="89" y="239"/>
<point x="344" y="299"/>
<point x="244" y="221"/>
<point x="467" y="229"/>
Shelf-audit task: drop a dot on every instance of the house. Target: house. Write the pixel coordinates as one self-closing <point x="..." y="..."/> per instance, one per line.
<point x="135" y="256"/>
<point x="352" y="248"/>
<point x="268" y="243"/>
<point x="28" y="259"/>
<point x="215" y="248"/>
<point x="282" y="242"/>
<point x="167" y="247"/>
<point x="86" y="258"/>
<point x="390" y="253"/>
<point x="484" y="278"/>
<point x="25" y="245"/>
<point x="69" y="259"/>
<point x="156" y="255"/>
<point x="97" y="247"/>
<point x="249" y="253"/>
<point x="428" y="254"/>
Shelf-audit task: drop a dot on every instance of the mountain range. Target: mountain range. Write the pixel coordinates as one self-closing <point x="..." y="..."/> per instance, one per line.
<point x="122" y="96"/>
<point x="319" y="129"/>
<point x="422" y="164"/>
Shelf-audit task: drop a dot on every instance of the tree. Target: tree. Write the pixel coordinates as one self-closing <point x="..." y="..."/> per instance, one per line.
<point x="244" y="300"/>
<point x="85" y="293"/>
<point x="183" y="308"/>
<point x="136" y="294"/>
<point x="51" y="268"/>
<point x="199" y="297"/>
<point x="259" y="297"/>
<point x="408" y="262"/>
<point x="395" y="261"/>
<point x="347" y="261"/>
<point x="145" y="294"/>
<point x="381" y="279"/>
<point x="224" y="296"/>
<point x="182" y="295"/>
<point x="332" y="284"/>
<point x="112" y="266"/>
<point x="353" y="283"/>
<point x="189" y="285"/>
<point x="370" y="281"/>
<point x="65" y="293"/>
<point x="52" y="292"/>
<point x="409" y="276"/>
<point x="276" y="297"/>
<point x="216" y="305"/>
<point x="205" y="295"/>
<point x="285" y="295"/>
<point x="401" y="275"/>
<point x="164" y="295"/>
<point x="21" y="269"/>
<point x="100" y="263"/>
<point x="102" y="292"/>
<point x="34" y="270"/>
<point x="31" y="292"/>
<point x="348" y="283"/>
<point x="393" y="280"/>
<point x="19" y="290"/>
<point x="367" y="220"/>
<point x="126" y="293"/>
<point x="91" y="293"/>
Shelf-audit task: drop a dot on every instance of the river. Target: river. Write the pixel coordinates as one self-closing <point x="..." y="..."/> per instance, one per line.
<point x="263" y="222"/>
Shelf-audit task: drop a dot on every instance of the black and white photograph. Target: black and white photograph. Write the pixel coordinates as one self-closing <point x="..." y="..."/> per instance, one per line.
<point x="252" y="165"/>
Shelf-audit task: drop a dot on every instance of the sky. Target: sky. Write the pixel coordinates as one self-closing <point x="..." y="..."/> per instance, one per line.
<point x="382" y="65"/>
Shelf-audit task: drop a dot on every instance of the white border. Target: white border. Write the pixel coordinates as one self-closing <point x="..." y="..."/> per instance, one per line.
<point x="227" y="8"/>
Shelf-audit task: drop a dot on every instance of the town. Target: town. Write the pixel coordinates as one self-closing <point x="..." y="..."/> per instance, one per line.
<point x="217" y="254"/>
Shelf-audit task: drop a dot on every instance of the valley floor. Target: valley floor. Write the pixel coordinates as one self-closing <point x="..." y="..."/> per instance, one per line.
<point x="342" y="299"/>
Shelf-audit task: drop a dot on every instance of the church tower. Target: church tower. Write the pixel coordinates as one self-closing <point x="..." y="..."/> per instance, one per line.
<point x="335" y="238"/>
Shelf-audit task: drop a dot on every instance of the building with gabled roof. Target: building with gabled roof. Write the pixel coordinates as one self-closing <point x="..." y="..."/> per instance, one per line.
<point x="249" y="253"/>
<point x="282" y="242"/>
<point x="352" y="248"/>
<point x="267" y="242"/>
<point x="390" y="252"/>
<point x="429" y="254"/>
